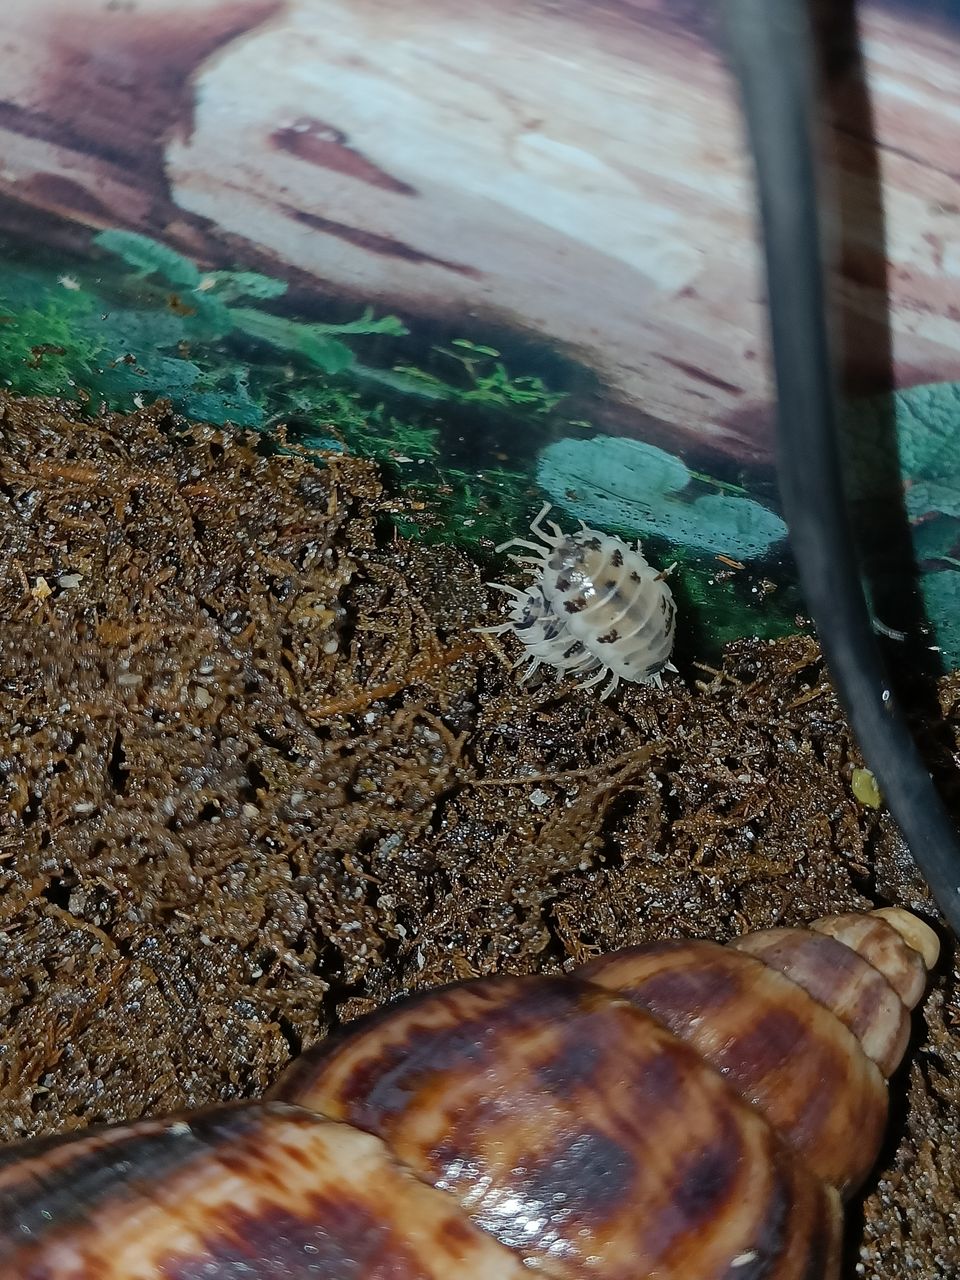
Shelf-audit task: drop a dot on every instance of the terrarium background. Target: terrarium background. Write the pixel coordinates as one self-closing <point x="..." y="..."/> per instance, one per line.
<point x="257" y="775"/>
<point x="507" y="251"/>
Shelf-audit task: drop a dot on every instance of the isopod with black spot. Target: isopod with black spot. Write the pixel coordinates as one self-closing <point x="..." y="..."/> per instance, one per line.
<point x="595" y="608"/>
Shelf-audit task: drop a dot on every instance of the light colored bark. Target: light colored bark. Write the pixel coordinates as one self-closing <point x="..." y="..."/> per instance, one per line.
<point x="571" y="171"/>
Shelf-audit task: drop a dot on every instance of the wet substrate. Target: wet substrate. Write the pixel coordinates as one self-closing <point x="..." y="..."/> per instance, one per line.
<point x="258" y="775"/>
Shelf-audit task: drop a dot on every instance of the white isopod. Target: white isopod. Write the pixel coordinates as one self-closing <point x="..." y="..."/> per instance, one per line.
<point x="594" y="608"/>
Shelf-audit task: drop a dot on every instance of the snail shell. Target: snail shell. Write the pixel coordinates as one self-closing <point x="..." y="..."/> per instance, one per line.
<point x="680" y="1110"/>
<point x="595" y="608"/>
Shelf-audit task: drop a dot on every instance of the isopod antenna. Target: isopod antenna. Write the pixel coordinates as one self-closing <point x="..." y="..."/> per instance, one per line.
<point x="772" y="54"/>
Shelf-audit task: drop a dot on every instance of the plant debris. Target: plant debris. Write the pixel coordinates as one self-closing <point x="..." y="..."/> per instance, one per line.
<point x="259" y="776"/>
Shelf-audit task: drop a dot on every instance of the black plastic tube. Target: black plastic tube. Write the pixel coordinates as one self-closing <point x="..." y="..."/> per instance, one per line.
<point x="772" y="54"/>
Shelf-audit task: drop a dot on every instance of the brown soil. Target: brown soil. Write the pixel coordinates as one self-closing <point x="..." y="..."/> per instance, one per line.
<point x="257" y="775"/>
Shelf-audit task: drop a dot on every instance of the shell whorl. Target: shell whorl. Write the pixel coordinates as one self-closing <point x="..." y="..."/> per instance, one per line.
<point x="869" y="970"/>
<point x="808" y="1024"/>
<point x="575" y="1128"/>
<point x="262" y="1191"/>
<point x="895" y="942"/>
<point x="681" y="1110"/>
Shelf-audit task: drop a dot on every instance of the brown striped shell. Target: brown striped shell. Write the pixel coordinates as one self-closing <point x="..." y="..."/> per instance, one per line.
<point x="679" y="1110"/>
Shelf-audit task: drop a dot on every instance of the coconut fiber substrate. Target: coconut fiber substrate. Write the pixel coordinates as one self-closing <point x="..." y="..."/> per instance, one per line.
<point x="258" y="776"/>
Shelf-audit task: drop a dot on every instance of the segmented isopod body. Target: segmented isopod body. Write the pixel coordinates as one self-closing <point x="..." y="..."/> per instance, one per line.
<point x="595" y="608"/>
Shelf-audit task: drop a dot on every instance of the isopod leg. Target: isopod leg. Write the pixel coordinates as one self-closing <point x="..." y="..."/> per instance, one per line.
<point x="511" y="591"/>
<point x="534" y="659"/>
<point x="523" y="542"/>
<point x="536" y="526"/>
<point x="614" y="681"/>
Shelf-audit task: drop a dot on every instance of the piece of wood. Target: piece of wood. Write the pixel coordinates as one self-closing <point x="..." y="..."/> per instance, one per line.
<point x="573" y="171"/>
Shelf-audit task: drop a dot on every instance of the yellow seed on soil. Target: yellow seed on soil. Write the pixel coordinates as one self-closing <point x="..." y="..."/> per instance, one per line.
<point x="864" y="787"/>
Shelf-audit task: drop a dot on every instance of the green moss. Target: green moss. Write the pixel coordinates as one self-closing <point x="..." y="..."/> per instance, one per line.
<point x="207" y="308"/>
<point x="48" y="350"/>
<point x="485" y="381"/>
<point x="471" y="509"/>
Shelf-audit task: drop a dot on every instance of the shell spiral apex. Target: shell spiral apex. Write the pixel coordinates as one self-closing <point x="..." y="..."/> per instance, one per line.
<point x="595" y="608"/>
<point x="680" y="1110"/>
<point x="914" y="932"/>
